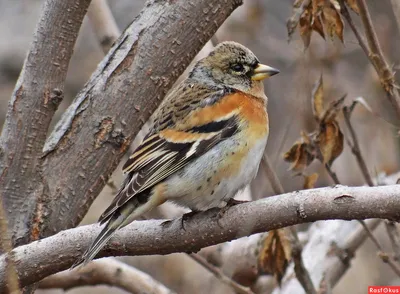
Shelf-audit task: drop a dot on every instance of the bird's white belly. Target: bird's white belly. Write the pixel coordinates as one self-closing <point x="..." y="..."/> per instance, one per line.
<point x="203" y="184"/>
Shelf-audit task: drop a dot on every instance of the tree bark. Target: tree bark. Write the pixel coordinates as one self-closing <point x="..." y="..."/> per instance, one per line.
<point x="36" y="260"/>
<point x="37" y="94"/>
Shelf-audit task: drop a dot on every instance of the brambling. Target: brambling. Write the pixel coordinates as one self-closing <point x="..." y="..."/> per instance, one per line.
<point x="205" y="144"/>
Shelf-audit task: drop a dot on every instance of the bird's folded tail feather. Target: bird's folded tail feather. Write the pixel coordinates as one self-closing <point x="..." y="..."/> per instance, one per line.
<point x="120" y="218"/>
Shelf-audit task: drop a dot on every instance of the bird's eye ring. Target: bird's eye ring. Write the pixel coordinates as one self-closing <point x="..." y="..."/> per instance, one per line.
<point x="237" y="67"/>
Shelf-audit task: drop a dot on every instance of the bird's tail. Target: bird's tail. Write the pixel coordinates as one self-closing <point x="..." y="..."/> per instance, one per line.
<point x="119" y="218"/>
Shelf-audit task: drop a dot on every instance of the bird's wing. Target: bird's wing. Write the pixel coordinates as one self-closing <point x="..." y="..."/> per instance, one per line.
<point x="166" y="150"/>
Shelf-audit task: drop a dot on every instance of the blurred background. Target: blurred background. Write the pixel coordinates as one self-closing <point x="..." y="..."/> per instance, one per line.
<point x="261" y="26"/>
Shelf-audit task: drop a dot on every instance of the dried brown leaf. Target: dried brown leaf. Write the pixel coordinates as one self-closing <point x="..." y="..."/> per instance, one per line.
<point x="317" y="6"/>
<point x="305" y="27"/>
<point x="334" y="108"/>
<point x="299" y="6"/>
<point x="318" y="26"/>
<point x="330" y="141"/>
<point x="353" y="5"/>
<point x="309" y="181"/>
<point x="333" y="22"/>
<point x="317" y="99"/>
<point x="275" y="254"/>
<point x="299" y="156"/>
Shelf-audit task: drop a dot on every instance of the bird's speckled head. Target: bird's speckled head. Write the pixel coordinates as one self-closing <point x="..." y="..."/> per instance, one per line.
<point x="234" y="66"/>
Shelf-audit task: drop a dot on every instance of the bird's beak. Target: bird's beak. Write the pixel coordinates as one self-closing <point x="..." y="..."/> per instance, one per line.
<point x="263" y="71"/>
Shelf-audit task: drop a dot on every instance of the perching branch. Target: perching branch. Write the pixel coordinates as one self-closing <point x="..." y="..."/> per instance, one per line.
<point x="37" y="94"/>
<point x="110" y="272"/>
<point x="36" y="260"/>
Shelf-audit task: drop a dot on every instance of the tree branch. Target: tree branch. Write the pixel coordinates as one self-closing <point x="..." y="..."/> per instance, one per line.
<point x="355" y="146"/>
<point x="374" y="53"/>
<point x="37" y="94"/>
<point x="110" y="272"/>
<point x="220" y="275"/>
<point x="36" y="260"/>
<point x="396" y="12"/>
<point x="103" y="23"/>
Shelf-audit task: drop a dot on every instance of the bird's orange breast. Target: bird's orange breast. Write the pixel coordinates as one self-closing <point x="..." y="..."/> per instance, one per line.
<point x="249" y="109"/>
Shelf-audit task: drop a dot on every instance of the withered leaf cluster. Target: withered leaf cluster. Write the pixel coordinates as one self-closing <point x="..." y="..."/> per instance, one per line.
<point x="325" y="143"/>
<point x="321" y="16"/>
<point x="275" y="254"/>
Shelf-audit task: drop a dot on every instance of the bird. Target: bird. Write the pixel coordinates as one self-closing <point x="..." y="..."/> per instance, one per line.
<point x="205" y="142"/>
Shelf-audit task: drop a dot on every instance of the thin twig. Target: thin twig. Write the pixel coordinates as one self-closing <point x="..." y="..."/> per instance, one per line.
<point x="394" y="236"/>
<point x="355" y="146"/>
<point x="103" y="23"/>
<point x="374" y="52"/>
<point x="109" y="272"/>
<point x="396" y="11"/>
<point x="382" y="254"/>
<point x="301" y="272"/>
<point x="332" y="174"/>
<point x="220" y="275"/>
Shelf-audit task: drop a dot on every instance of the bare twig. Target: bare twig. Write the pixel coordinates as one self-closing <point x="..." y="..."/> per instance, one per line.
<point x="332" y="174"/>
<point x="382" y="254"/>
<point x="355" y="146"/>
<point x="374" y="52"/>
<point x="36" y="260"/>
<point x="103" y="23"/>
<point x="394" y="235"/>
<point x="301" y="272"/>
<point x="396" y="12"/>
<point x="110" y="272"/>
<point x="220" y="275"/>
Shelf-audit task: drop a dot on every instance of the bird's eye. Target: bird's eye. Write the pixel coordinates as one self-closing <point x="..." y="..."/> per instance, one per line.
<point x="237" y="67"/>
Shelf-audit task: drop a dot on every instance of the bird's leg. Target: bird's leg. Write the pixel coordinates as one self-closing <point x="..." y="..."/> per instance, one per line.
<point x="186" y="216"/>
<point x="231" y="202"/>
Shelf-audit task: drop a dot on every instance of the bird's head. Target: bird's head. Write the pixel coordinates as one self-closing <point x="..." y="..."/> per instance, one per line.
<point x="234" y="66"/>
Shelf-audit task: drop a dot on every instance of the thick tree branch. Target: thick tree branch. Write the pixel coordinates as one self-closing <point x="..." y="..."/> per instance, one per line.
<point x="128" y="85"/>
<point x="37" y="94"/>
<point x="109" y="272"/>
<point x="36" y="260"/>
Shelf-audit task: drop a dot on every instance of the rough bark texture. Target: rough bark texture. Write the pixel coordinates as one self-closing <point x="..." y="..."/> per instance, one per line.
<point x="98" y="127"/>
<point x="37" y="94"/>
<point x="36" y="260"/>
